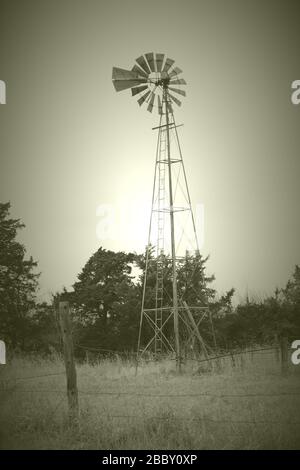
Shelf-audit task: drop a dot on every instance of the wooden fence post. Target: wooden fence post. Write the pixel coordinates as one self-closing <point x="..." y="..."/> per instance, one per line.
<point x="284" y="355"/>
<point x="66" y="331"/>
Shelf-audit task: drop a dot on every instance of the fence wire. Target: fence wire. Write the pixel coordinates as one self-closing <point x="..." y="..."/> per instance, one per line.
<point x="135" y="354"/>
<point x="195" y="418"/>
<point x="119" y="394"/>
<point x="160" y="395"/>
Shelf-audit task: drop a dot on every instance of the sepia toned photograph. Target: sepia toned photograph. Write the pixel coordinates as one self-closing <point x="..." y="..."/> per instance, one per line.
<point x="149" y="227"/>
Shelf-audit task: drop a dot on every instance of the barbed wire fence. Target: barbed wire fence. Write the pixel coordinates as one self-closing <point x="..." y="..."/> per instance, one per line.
<point x="169" y="396"/>
<point x="73" y="391"/>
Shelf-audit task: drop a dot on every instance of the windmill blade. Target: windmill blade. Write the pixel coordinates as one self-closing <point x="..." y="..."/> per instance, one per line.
<point x="151" y="102"/>
<point x="139" y="71"/>
<point x="122" y="74"/>
<point x="173" y="98"/>
<point x="168" y="64"/>
<point x="175" y="71"/>
<point x="160" y="111"/>
<point x="151" y="61"/>
<point x="124" y="84"/>
<point x="139" y="89"/>
<point x="143" y="64"/>
<point x="159" y="61"/>
<point x="123" y="79"/>
<point x="176" y="90"/>
<point x="143" y="98"/>
<point x="179" y="81"/>
<point x="138" y="80"/>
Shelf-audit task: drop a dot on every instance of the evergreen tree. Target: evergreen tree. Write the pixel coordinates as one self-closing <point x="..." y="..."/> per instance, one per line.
<point x="18" y="282"/>
<point x="105" y="298"/>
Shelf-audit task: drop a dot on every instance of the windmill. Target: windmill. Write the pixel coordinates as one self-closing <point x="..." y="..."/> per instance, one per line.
<point x="156" y="82"/>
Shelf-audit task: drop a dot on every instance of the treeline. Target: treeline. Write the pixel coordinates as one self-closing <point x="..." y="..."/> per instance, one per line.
<point x="106" y="301"/>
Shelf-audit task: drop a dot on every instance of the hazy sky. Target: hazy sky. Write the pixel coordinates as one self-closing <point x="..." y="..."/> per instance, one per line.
<point x="69" y="143"/>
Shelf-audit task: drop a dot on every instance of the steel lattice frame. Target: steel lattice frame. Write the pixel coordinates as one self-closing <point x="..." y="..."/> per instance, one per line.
<point x="154" y="80"/>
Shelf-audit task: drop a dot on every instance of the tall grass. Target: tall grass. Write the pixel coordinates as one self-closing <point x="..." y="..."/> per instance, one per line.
<point x="34" y="415"/>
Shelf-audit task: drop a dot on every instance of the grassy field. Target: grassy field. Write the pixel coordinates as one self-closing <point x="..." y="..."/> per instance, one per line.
<point x="247" y="404"/>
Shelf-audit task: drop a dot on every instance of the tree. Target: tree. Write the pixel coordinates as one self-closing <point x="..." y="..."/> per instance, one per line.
<point x="265" y="321"/>
<point x="18" y="282"/>
<point x="44" y="329"/>
<point x="193" y="285"/>
<point x="289" y="301"/>
<point x="105" y="299"/>
<point x="291" y="293"/>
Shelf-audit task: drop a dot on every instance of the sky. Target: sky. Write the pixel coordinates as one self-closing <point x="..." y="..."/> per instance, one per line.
<point x="71" y="147"/>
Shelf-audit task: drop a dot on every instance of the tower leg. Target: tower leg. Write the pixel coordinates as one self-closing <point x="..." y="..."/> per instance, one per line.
<point x="174" y="280"/>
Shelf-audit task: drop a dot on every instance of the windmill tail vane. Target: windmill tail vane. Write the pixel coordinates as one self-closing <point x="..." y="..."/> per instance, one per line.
<point x="156" y="81"/>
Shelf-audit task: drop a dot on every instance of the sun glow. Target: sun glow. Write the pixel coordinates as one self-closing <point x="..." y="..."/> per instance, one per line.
<point x="126" y="222"/>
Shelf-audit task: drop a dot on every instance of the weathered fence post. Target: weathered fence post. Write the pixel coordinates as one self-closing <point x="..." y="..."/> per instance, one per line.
<point x="284" y="355"/>
<point x="66" y="331"/>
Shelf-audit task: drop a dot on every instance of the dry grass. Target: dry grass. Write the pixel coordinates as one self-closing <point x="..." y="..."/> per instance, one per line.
<point x="33" y="411"/>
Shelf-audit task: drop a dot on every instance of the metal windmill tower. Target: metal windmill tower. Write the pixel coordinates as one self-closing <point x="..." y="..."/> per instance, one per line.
<point x="172" y="234"/>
